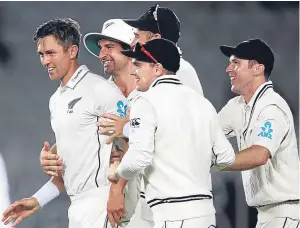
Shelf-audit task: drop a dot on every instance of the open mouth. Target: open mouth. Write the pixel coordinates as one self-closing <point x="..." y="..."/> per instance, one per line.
<point x="105" y="63"/>
<point x="232" y="79"/>
<point x="50" y="69"/>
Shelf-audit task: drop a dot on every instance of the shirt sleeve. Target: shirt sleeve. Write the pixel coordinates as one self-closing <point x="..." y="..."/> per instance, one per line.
<point x="222" y="152"/>
<point x="270" y="128"/>
<point x="143" y="124"/>
<point x="226" y="116"/>
<point x="126" y="130"/>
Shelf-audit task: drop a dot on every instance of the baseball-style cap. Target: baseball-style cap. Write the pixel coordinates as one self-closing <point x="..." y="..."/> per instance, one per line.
<point x="160" y="20"/>
<point x="254" y="49"/>
<point x="114" y="29"/>
<point x="160" y="51"/>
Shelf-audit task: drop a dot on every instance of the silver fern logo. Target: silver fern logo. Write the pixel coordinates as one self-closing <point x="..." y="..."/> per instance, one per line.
<point x="72" y="103"/>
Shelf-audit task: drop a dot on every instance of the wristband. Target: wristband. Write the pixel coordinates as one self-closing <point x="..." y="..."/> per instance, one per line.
<point x="46" y="193"/>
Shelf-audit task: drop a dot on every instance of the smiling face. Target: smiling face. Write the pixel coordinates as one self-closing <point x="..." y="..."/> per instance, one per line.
<point x="240" y="73"/>
<point x="54" y="57"/>
<point x="144" y="73"/>
<point x="112" y="59"/>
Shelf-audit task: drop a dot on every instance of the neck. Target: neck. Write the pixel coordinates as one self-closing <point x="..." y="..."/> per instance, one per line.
<point x="74" y="66"/>
<point x="250" y="90"/>
<point x="125" y="82"/>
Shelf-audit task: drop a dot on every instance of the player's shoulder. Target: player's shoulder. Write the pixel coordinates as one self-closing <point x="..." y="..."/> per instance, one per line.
<point x="235" y="101"/>
<point x="273" y="102"/>
<point x="100" y="85"/>
<point x="272" y="96"/>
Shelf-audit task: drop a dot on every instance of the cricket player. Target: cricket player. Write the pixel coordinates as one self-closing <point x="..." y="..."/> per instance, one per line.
<point x="157" y="22"/>
<point x="166" y="147"/>
<point x="162" y="22"/>
<point x="75" y="108"/>
<point x="115" y="36"/>
<point x="263" y="124"/>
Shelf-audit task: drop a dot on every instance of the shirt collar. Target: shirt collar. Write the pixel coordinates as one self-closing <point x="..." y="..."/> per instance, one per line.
<point x="169" y="79"/>
<point x="134" y="94"/>
<point x="258" y="93"/>
<point x="77" y="76"/>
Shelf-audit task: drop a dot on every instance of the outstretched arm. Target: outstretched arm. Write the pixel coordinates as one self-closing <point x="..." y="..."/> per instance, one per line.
<point x="24" y="208"/>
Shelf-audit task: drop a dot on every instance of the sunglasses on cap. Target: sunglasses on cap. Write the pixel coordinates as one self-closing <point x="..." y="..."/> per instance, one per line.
<point x="148" y="53"/>
<point x="156" y="17"/>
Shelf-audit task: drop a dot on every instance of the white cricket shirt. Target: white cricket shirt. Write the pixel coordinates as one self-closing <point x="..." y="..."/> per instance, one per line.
<point x="188" y="76"/>
<point x="266" y="121"/>
<point x="173" y="133"/>
<point x="75" y="109"/>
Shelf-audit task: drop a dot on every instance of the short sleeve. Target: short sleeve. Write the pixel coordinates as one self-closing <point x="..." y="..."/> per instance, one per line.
<point x="223" y="153"/>
<point x="270" y="129"/>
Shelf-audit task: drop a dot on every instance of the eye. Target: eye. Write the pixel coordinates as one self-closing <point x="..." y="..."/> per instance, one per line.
<point x="50" y="52"/>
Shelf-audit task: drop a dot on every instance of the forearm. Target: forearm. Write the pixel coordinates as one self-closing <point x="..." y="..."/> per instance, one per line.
<point x="119" y="187"/>
<point x="249" y="158"/>
<point x="133" y="163"/>
<point x="49" y="191"/>
<point x="59" y="183"/>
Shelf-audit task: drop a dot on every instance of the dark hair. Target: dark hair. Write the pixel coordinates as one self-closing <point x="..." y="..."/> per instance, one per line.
<point x="65" y="30"/>
<point x="125" y="46"/>
<point x="267" y="72"/>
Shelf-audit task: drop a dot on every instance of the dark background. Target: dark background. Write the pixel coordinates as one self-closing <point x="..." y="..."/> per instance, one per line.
<point x="26" y="88"/>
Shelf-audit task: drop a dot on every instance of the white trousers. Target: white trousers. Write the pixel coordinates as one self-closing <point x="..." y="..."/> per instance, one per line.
<point x="200" y="222"/>
<point x="88" y="209"/>
<point x="280" y="223"/>
<point x="136" y="220"/>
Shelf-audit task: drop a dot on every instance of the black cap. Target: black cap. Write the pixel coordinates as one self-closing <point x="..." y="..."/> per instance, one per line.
<point x="160" y="20"/>
<point x="254" y="49"/>
<point x="163" y="51"/>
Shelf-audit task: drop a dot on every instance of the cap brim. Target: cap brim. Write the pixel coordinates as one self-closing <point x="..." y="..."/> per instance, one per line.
<point x="138" y="24"/>
<point x="130" y="54"/>
<point x="91" y="41"/>
<point x="137" y="55"/>
<point x="227" y="50"/>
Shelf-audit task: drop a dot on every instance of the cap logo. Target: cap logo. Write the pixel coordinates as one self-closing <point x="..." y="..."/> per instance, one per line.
<point x="134" y="48"/>
<point x="108" y="24"/>
<point x="155" y="12"/>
